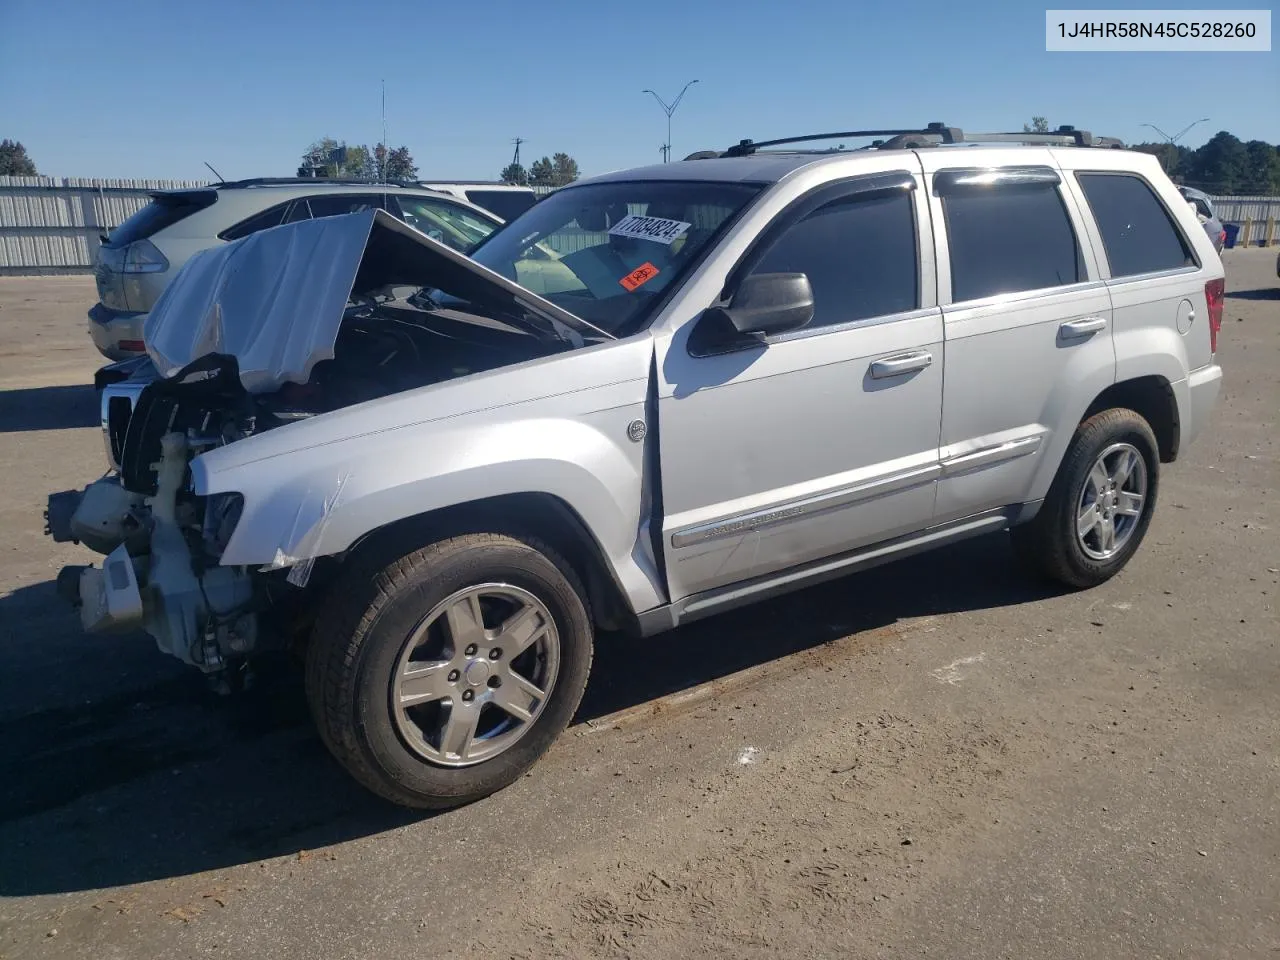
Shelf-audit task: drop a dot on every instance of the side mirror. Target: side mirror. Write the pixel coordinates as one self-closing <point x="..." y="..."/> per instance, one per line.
<point x="771" y="303"/>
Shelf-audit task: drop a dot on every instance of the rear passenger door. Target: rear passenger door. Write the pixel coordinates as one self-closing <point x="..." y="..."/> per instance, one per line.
<point x="1027" y="325"/>
<point x="1152" y="271"/>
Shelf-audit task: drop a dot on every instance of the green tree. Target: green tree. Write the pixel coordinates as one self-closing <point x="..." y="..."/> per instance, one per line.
<point x="1220" y="166"/>
<point x="514" y="173"/>
<point x="399" y="164"/>
<point x="14" y="161"/>
<point x="1172" y="158"/>
<point x="330" y="157"/>
<point x="359" y="164"/>
<point x="564" y="169"/>
<point x="326" y="157"/>
<point x="542" y="173"/>
<point x="1037" y="125"/>
<point x="1261" y="169"/>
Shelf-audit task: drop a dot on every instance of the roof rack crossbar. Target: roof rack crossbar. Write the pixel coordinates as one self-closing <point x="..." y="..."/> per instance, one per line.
<point x="745" y="147"/>
<point x="938" y="133"/>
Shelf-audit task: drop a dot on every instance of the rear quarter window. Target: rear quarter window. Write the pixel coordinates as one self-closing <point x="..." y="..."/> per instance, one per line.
<point x="164" y="210"/>
<point x="1138" y="232"/>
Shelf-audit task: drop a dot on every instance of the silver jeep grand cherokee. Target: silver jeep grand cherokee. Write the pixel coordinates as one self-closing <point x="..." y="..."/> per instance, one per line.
<point x="655" y="395"/>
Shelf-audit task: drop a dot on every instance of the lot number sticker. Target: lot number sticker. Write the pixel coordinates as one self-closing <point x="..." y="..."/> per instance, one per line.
<point x="656" y="229"/>
<point x="639" y="276"/>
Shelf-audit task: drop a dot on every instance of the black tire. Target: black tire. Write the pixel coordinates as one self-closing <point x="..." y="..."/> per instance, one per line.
<point x="362" y="630"/>
<point x="1048" y="543"/>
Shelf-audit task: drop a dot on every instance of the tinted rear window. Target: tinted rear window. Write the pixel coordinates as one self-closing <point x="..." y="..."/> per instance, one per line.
<point x="1137" y="231"/>
<point x="1009" y="238"/>
<point x="164" y="210"/>
<point x="508" y="204"/>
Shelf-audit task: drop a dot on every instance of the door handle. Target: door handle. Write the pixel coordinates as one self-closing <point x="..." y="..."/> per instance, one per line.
<point x="900" y="363"/>
<point x="1084" y="327"/>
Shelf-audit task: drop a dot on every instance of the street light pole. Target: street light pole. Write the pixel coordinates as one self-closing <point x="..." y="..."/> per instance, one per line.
<point x="669" y="109"/>
<point x="1177" y="136"/>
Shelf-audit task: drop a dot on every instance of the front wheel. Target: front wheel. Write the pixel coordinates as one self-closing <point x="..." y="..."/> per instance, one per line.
<point x="1099" y="505"/>
<point x="444" y="675"/>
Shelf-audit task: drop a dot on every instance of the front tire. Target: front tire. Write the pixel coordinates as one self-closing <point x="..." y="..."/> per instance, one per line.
<point x="442" y="676"/>
<point x="1099" y="505"/>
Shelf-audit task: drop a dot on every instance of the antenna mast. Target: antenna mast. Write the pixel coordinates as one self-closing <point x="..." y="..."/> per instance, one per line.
<point x="383" y="165"/>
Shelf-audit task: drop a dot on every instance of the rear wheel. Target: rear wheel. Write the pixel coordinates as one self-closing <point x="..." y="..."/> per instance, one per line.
<point x="443" y="675"/>
<point x="1100" y="504"/>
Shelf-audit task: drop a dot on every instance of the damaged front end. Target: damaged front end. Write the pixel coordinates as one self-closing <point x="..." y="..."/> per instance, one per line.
<point x="162" y="542"/>
<point x="285" y="326"/>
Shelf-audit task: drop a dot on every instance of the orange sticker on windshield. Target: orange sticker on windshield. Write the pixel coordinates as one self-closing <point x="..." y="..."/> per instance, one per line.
<point x="639" y="276"/>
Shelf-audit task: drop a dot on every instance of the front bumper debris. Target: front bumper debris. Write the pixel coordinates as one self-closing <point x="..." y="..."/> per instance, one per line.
<point x="109" y="597"/>
<point x="150" y="578"/>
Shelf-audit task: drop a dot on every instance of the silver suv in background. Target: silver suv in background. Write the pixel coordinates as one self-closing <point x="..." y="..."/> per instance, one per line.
<point x="139" y="258"/>
<point x="1202" y="204"/>
<point x="507" y="200"/>
<point x="742" y="375"/>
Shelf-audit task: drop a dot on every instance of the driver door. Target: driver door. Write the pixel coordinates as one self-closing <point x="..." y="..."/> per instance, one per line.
<point x="807" y="444"/>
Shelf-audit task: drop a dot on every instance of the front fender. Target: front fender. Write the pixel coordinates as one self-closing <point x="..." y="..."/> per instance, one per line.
<point x="318" y="501"/>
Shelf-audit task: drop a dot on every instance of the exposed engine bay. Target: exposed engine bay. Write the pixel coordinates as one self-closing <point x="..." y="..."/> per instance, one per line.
<point x="163" y="542"/>
<point x="388" y="345"/>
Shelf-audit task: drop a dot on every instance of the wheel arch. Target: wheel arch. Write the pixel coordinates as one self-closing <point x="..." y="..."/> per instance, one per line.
<point x="1151" y="397"/>
<point x="544" y="516"/>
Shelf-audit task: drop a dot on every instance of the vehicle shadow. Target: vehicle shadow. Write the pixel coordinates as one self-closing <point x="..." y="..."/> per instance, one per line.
<point x="48" y="408"/>
<point x="1262" y="293"/>
<point x="144" y="775"/>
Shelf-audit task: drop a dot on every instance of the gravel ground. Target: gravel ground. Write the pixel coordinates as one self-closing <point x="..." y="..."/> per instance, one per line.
<point x="934" y="758"/>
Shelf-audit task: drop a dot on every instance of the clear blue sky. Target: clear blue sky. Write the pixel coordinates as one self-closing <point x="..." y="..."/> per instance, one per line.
<point x="152" y="88"/>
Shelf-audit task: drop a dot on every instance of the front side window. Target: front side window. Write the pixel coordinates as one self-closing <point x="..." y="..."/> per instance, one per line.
<point x="1137" y="231"/>
<point x="859" y="255"/>
<point x="449" y="223"/>
<point x="606" y="252"/>
<point x="1008" y="237"/>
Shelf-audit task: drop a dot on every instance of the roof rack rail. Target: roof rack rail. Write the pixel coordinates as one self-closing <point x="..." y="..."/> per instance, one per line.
<point x="1065" y="135"/>
<point x="422" y="182"/>
<point x="290" y="181"/>
<point x="932" y="135"/>
<point x="744" y="148"/>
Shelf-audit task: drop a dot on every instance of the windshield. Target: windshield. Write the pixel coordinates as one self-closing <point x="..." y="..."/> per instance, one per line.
<point x="605" y="252"/>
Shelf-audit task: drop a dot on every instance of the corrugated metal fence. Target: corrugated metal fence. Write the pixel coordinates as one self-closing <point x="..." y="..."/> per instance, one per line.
<point x="1237" y="209"/>
<point x="52" y="224"/>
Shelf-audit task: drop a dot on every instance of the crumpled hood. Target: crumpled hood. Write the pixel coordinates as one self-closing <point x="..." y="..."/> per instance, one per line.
<point x="275" y="299"/>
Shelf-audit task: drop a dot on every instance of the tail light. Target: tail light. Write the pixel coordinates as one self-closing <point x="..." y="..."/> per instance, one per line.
<point x="143" y="256"/>
<point x="1215" y="292"/>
